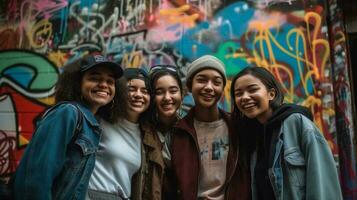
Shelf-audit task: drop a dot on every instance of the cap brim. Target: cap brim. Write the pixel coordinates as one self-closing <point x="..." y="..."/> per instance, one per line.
<point x="117" y="70"/>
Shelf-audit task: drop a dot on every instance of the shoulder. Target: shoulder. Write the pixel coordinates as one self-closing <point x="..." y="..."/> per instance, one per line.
<point x="67" y="110"/>
<point x="300" y="120"/>
<point x="302" y="125"/>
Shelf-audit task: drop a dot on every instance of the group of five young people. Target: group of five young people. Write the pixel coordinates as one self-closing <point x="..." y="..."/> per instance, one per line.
<point x="133" y="145"/>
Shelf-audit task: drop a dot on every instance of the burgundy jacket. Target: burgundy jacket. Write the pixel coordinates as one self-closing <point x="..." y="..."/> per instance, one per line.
<point x="186" y="161"/>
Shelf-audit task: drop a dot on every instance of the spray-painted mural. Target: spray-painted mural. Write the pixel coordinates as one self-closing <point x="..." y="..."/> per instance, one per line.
<point x="288" y="37"/>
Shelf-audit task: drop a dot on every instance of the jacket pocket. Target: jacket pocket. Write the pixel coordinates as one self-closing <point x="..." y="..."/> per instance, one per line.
<point x="295" y="166"/>
<point x="79" y="163"/>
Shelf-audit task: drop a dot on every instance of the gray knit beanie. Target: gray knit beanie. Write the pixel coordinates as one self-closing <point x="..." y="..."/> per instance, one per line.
<point x="205" y="62"/>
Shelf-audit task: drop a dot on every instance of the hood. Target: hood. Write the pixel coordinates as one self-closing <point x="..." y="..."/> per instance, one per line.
<point x="286" y="110"/>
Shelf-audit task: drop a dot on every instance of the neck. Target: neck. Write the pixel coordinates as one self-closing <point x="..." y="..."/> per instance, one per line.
<point x="131" y="117"/>
<point x="207" y="114"/>
<point x="94" y="110"/>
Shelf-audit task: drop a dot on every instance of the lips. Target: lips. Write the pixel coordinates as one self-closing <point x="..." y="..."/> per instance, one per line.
<point x="167" y="106"/>
<point x="248" y="106"/>
<point x="137" y="103"/>
<point x="208" y="96"/>
<point x="101" y="93"/>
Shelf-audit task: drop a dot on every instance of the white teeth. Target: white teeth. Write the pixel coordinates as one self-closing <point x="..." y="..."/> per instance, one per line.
<point x="247" y="106"/>
<point x="137" y="103"/>
<point x="103" y="94"/>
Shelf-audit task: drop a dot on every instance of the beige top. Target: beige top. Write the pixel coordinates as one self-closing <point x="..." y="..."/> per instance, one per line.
<point x="214" y="145"/>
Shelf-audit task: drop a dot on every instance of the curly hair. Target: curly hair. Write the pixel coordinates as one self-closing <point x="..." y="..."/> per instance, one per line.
<point x="68" y="88"/>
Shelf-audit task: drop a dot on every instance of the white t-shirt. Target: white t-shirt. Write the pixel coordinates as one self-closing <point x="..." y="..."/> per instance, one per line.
<point x="118" y="158"/>
<point x="213" y="141"/>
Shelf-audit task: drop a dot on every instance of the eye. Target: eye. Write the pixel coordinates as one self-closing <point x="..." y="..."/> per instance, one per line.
<point x="253" y="90"/>
<point x="144" y="91"/>
<point x="110" y="81"/>
<point x="217" y="82"/>
<point x="159" y="92"/>
<point x="93" y="78"/>
<point x="173" y="90"/>
<point x="238" y="93"/>
<point x="131" y="89"/>
<point x="200" y="80"/>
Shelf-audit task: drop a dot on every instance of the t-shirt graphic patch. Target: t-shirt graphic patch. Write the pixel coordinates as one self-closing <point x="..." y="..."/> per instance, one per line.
<point x="219" y="148"/>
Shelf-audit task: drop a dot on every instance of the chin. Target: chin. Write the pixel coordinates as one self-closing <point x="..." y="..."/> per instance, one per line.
<point x="168" y="115"/>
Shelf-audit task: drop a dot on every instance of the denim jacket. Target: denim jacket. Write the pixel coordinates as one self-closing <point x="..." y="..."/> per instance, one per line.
<point x="57" y="165"/>
<point x="303" y="166"/>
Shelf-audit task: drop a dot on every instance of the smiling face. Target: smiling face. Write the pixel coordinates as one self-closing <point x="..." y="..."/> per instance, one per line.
<point x="252" y="98"/>
<point x="207" y="88"/>
<point x="139" y="99"/>
<point x="168" y="97"/>
<point x="98" y="87"/>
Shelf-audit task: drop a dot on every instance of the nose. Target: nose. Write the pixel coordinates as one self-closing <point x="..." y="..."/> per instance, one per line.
<point x="138" y="94"/>
<point x="209" y="86"/>
<point x="244" y="97"/>
<point x="103" y="84"/>
<point x="167" y="95"/>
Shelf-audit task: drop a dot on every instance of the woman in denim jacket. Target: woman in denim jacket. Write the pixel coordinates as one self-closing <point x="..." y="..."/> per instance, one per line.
<point x="59" y="160"/>
<point x="286" y="154"/>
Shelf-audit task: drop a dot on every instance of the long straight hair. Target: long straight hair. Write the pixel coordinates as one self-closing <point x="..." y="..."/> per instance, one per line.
<point x="245" y="127"/>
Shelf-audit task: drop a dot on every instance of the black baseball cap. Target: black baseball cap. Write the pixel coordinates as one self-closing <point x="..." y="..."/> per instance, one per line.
<point x="96" y="60"/>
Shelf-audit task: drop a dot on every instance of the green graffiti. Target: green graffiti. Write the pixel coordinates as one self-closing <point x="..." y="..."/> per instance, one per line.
<point x="19" y="65"/>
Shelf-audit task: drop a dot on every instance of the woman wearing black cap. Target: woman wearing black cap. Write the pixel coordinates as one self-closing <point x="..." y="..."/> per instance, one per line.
<point x="117" y="173"/>
<point x="60" y="157"/>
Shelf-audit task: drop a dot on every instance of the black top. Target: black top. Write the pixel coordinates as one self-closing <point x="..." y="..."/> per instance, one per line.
<point x="267" y="136"/>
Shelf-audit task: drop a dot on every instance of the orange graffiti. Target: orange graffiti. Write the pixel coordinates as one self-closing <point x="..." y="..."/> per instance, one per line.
<point x="177" y="15"/>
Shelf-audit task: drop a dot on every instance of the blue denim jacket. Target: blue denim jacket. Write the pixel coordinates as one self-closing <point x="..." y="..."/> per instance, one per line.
<point x="303" y="166"/>
<point x="53" y="166"/>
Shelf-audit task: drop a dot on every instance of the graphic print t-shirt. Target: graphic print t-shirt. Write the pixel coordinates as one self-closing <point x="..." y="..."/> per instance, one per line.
<point x="213" y="143"/>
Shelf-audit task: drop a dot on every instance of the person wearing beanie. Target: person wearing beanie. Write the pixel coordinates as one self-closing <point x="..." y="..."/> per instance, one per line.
<point x="204" y="62"/>
<point x="203" y="150"/>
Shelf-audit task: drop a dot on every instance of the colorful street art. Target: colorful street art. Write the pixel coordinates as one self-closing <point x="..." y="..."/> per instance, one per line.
<point x="291" y="38"/>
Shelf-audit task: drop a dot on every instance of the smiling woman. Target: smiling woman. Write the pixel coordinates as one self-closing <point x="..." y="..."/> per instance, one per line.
<point x="279" y="144"/>
<point x="118" y="172"/>
<point x="61" y="153"/>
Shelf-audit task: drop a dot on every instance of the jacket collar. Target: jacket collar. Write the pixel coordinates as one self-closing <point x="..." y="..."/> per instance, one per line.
<point x="186" y="123"/>
<point x="152" y="141"/>
<point x="88" y="115"/>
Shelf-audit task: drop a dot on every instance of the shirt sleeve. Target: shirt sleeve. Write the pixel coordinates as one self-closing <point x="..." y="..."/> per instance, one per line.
<point x="322" y="180"/>
<point x="44" y="157"/>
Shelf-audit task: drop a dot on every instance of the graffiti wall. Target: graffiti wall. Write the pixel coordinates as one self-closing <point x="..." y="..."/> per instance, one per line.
<point x="288" y="37"/>
<point x="341" y="80"/>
